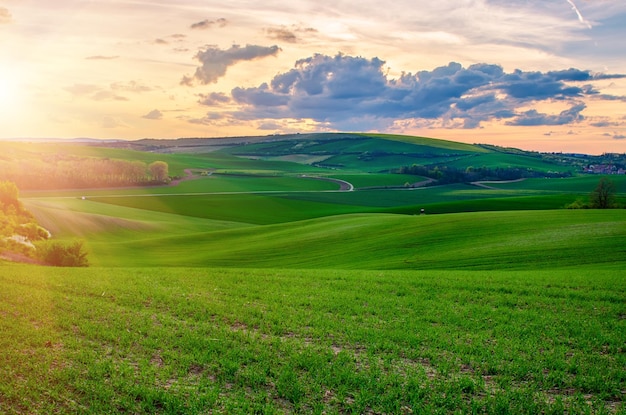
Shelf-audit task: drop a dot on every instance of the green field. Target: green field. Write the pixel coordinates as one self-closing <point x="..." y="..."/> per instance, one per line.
<point x="255" y="289"/>
<point x="181" y="340"/>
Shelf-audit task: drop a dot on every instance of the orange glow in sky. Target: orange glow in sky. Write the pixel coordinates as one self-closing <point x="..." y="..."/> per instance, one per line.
<point x="546" y="76"/>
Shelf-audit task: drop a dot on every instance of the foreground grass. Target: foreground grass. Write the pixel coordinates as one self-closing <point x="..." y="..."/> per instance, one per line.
<point x="147" y="340"/>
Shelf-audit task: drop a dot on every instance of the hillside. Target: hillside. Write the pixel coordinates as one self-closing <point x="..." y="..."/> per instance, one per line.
<point x="297" y="275"/>
<point x="357" y="152"/>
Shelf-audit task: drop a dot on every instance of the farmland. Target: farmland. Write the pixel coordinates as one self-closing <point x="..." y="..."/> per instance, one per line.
<point x="262" y="284"/>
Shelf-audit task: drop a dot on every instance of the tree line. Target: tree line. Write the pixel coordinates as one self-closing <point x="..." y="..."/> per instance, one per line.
<point x="72" y="172"/>
<point x="448" y="175"/>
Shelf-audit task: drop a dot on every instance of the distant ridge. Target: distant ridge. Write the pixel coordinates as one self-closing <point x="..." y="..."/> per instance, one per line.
<point x="62" y="140"/>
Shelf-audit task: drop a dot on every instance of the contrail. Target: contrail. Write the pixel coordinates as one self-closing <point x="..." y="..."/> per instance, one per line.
<point x="580" y="16"/>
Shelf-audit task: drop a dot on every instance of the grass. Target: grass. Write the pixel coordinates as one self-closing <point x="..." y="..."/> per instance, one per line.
<point x="580" y="184"/>
<point x="179" y="340"/>
<point x="257" y="291"/>
<point x="378" y="180"/>
<point x="503" y="240"/>
<point x="479" y="240"/>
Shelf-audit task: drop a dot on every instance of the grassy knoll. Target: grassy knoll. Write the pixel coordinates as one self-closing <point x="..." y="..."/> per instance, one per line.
<point x="481" y="240"/>
<point x="430" y="142"/>
<point x="382" y="152"/>
<point x="496" y="159"/>
<point x="69" y="217"/>
<point x="180" y="340"/>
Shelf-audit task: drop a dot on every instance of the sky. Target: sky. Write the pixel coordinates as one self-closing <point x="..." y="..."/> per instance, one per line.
<point x="543" y="75"/>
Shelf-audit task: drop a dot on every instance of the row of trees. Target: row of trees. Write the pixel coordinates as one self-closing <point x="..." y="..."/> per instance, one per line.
<point x="447" y="174"/>
<point x="66" y="172"/>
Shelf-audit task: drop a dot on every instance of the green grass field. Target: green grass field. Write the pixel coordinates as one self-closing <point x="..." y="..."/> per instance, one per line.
<point x="210" y="340"/>
<point x="257" y="290"/>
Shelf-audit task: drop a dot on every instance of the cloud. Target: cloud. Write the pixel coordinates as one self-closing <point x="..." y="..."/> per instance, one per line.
<point x="207" y="24"/>
<point x="214" y="98"/>
<point x="355" y="91"/>
<point x="274" y="126"/>
<point x="101" y="58"/>
<point x="216" y="61"/>
<point x="5" y="16"/>
<point x="153" y="115"/>
<point x="82" y="89"/>
<point x="533" y="117"/>
<point x="580" y="16"/>
<point x="604" y="123"/>
<point x="282" y="34"/>
<point x="131" y="86"/>
<point x="94" y="92"/>
<point x="288" y="34"/>
<point x="111" y="93"/>
<point x="112" y="122"/>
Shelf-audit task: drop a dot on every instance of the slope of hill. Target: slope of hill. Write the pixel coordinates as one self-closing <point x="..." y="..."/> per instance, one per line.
<point x="255" y="289"/>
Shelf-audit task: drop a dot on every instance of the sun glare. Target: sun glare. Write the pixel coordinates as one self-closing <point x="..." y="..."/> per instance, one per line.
<point x="8" y="90"/>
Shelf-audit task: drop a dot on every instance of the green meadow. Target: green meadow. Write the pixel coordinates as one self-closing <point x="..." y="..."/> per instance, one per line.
<point x="258" y="285"/>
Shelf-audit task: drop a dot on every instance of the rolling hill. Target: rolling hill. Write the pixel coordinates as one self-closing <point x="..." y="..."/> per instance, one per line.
<point x="295" y="274"/>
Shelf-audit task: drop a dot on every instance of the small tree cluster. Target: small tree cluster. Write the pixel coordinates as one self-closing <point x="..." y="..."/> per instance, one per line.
<point x="58" y="254"/>
<point x="61" y="171"/>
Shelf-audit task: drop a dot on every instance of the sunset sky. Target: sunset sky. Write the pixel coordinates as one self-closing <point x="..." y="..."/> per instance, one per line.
<point x="546" y="75"/>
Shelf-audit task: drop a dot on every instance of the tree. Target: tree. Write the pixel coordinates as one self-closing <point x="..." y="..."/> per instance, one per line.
<point x="9" y="195"/>
<point x="603" y="196"/>
<point x="58" y="254"/>
<point x="159" y="171"/>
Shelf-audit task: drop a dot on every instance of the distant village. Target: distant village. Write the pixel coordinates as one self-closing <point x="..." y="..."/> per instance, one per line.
<point x="603" y="169"/>
<point x="607" y="163"/>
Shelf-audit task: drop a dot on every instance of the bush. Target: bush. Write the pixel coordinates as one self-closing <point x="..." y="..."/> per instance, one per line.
<point x="58" y="254"/>
<point x="578" y="204"/>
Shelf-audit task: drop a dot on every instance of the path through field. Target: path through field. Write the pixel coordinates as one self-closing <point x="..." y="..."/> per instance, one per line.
<point x="485" y="183"/>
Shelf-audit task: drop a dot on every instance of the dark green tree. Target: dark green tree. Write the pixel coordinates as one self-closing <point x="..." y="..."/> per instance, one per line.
<point x="603" y="196"/>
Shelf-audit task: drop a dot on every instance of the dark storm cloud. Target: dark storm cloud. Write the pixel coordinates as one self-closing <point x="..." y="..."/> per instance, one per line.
<point x="216" y="61"/>
<point x="344" y="90"/>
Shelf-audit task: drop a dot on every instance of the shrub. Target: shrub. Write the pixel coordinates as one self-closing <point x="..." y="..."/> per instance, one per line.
<point x="578" y="204"/>
<point x="58" y="254"/>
